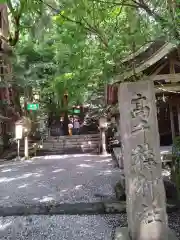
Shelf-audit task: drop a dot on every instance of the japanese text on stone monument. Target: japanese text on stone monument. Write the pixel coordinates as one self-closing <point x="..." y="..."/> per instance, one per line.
<point x="140" y="113"/>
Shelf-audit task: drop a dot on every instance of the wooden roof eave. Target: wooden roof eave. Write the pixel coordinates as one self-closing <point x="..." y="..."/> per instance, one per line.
<point x="139" y="51"/>
<point x="170" y="88"/>
<point x="162" y="52"/>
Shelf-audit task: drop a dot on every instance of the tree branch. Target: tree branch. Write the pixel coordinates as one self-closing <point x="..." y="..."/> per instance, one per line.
<point x="62" y="15"/>
<point x="13" y="40"/>
<point x="98" y="33"/>
<point x="140" y="4"/>
<point x="16" y="17"/>
<point x="163" y="22"/>
<point x="87" y="27"/>
<point x="9" y="4"/>
<point x="114" y="3"/>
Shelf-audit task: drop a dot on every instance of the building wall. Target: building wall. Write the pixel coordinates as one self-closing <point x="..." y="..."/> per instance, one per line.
<point x="4" y="20"/>
<point x="5" y="75"/>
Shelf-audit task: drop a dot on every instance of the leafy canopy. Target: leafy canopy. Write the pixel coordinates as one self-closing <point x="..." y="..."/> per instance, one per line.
<point x="78" y="45"/>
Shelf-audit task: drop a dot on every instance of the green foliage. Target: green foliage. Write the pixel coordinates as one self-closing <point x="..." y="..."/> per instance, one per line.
<point x="78" y="45"/>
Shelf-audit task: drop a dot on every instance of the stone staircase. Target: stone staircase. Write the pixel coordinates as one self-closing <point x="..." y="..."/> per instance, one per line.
<point x="71" y="144"/>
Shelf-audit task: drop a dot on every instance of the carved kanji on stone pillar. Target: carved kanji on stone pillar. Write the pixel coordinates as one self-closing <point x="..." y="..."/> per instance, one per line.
<point x="145" y="195"/>
<point x="140" y="113"/>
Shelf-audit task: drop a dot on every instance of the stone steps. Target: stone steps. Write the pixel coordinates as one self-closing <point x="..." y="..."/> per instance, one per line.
<point x="76" y="143"/>
<point x="84" y="146"/>
<point x="76" y="136"/>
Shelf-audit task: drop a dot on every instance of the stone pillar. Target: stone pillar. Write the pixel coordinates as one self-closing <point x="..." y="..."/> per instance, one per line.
<point x="102" y="126"/>
<point x="145" y="194"/>
<point x="26" y="148"/>
<point x="178" y="112"/>
<point x="103" y="139"/>
<point x="172" y="120"/>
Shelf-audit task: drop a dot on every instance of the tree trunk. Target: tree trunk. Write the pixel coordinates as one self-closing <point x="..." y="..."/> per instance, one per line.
<point x="66" y="119"/>
<point x="28" y="94"/>
<point x="66" y="122"/>
<point x="16" y="99"/>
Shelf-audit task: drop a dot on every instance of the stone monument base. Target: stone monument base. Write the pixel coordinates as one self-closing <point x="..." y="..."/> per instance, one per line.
<point x="121" y="233"/>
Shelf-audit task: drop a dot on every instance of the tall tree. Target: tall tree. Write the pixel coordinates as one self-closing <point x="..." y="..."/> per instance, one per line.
<point x="82" y="47"/>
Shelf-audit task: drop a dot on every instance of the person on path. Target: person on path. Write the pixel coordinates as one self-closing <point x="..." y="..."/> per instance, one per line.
<point x="76" y="126"/>
<point x="70" y="127"/>
<point x="61" y="127"/>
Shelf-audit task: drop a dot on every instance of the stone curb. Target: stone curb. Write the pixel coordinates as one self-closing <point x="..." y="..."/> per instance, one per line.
<point x="53" y="209"/>
<point x="13" y="157"/>
<point x="81" y="208"/>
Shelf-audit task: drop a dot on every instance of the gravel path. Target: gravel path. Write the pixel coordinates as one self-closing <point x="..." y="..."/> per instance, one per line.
<point x="95" y="227"/>
<point x="59" y="227"/>
<point x="62" y="179"/>
<point x="174" y="221"/>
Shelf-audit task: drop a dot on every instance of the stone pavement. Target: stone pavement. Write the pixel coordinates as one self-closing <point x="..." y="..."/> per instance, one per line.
<point x="57" y="179"/>
<point x="61" y="179"/>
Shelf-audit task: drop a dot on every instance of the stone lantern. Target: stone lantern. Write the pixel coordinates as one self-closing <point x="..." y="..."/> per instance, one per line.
<point x="18" y="134"/>
<point x="102" y="126"/>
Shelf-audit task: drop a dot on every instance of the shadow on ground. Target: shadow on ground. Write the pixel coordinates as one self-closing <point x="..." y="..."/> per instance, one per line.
<point x="57" y="179"/>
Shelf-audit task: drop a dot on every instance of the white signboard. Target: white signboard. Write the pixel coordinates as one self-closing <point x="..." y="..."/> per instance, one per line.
<point x="18" y="132"/>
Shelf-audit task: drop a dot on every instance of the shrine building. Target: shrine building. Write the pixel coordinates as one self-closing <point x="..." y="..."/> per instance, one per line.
<point x="159" y="62"/>
<point x="8" y="113"/>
